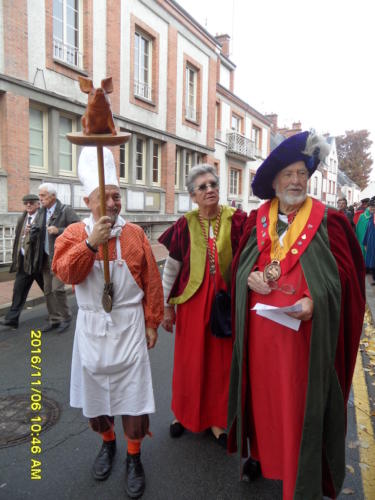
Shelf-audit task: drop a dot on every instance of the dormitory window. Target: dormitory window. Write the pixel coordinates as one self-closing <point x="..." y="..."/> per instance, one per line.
<point x="188" y="164"/>
<point x="140" y="161"/>
<point x="234" y="182"/>
<point x="142" y="67"/>
<point x="67" y="163"/>
<point x="236" y="123"/>
<point x="177" y="168"/>
<point x="156" y="163"/>
<point x="37" y="139"/>
<point x="124" y="161"/>
<point x="66" y="34"/>
<point x="191" y="94"/>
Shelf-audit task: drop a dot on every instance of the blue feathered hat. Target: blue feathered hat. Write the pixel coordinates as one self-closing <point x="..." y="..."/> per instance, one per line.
<point x="306" y="146"/>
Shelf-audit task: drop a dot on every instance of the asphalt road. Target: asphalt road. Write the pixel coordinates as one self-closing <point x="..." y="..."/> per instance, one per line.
<point x="193" y="467"/>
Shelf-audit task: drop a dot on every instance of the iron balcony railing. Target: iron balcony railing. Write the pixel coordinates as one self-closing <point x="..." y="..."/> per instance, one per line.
<point x="67" y="53"/>
<point x="237" y="144"/>
<point x="191" y="113"/>
<point x="143" y="90"/>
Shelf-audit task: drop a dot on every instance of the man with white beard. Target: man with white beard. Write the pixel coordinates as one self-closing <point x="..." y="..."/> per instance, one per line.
<point x="291" y="372"/>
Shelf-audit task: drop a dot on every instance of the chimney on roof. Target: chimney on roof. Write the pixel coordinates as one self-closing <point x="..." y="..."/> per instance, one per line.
<point x="273" y="119"/>
<point x="224" y="42"/>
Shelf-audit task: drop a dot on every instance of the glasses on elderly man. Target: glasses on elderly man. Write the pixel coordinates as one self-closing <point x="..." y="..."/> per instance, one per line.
<point x="206" y="185"/>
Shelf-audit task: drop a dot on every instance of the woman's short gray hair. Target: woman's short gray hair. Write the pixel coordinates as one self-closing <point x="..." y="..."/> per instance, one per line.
<point x="47" y="186"/>
<point x="198" y="170"/>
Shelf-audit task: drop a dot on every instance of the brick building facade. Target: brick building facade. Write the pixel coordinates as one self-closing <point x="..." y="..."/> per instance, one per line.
<point x="173" y="90"/>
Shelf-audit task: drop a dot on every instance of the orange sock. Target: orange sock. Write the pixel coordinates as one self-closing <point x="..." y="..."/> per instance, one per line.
<point x="134" y="446"/>
<point x="109" y="435"/>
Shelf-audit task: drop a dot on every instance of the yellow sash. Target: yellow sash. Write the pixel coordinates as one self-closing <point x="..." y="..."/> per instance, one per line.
<point x="279" y="252"/>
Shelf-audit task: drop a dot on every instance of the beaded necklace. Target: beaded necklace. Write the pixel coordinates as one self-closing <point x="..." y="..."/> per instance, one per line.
<point x="211" y="253"/>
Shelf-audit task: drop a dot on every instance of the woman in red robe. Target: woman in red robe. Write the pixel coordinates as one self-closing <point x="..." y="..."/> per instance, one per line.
<point x="201" y="245"/>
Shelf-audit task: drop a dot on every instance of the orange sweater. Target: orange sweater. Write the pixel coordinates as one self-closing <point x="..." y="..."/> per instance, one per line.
<point x="73" y="261"/>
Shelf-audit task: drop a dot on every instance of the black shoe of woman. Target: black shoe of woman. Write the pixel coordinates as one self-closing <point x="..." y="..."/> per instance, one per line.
<point x="176" y="429"/>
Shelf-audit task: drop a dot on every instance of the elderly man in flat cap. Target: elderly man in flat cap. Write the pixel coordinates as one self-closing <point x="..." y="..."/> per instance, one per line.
<point x="22" y="262"/>
<point x="110" y="368"/>
<point x="292" y="371"/>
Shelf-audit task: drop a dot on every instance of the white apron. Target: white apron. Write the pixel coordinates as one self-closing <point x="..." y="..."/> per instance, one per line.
<point x="111" y="372"/>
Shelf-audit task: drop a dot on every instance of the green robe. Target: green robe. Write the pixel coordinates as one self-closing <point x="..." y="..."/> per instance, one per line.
<point x="361" y="227"/>
<point x="335" y="284"/>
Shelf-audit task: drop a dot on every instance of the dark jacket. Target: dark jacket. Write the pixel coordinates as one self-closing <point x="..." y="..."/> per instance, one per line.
<point x="62" y="217"/>
<point x="16" y="255"/>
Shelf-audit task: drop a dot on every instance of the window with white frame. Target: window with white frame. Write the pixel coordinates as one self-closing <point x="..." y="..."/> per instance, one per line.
<point x="252" y="175"/>
<point x="234" y="182"/>
<point x="236" y="123"/>
<point x="156" y="151"/>
<point x="67" y="156"/>
<point x="142" y="66"/>
<point x="315" y="186"/>
<point x="37" y="138"/>
<point x="124" y="161"/>
<point x="177" y="168"/>
<point x="67" y="32"/>
<point x="140" y="160"/>
<point x="191" y="93"/>
<point x="187" y="165"/>
<point x="256" y="138"/>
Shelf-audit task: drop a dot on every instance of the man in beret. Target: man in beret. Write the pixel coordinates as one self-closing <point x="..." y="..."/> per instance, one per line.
<point x="291" y="373"/>
<point x="22" y="262"/>
<point x="362" y="207"/>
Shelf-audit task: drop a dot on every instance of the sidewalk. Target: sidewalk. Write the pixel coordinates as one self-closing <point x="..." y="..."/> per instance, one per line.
<point x="36" y="295"/>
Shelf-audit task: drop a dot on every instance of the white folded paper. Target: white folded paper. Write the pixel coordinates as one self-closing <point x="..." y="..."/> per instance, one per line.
<point x="278" y="314"/>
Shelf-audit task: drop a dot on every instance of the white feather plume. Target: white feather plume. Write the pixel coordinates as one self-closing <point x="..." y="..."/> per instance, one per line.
<point x="314" y="143"/>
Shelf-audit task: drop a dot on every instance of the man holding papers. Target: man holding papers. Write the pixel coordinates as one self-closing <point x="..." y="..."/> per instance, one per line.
<point x="298" y="305"/>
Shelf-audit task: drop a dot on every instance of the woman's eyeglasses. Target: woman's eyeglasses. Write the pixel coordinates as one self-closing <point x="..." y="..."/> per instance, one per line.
<point x="205" y="186"/>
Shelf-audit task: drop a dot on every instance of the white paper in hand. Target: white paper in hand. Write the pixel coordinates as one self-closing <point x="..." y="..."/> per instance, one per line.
<point x="278" y="314"/>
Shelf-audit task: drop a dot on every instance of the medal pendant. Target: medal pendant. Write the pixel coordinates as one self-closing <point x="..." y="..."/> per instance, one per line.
<point x="107" y="297"/>
<point x="272" y="271"/>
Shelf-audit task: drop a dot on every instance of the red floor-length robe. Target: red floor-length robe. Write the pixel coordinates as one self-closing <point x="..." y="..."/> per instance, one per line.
<point x="201" y="362"/>
<point x="276" y="385"/>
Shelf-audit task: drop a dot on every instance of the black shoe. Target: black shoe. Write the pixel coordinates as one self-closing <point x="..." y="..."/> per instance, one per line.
<point x="221" y="439"/>
<point x="103" y="462"/>
<point x="135" y="481"/>
<point x="49" y="327"/>
<point x="8" y="322"/>
<point x="251" y="470"/>
<point x="176" y="429"/>
<point x="64" y="325"/>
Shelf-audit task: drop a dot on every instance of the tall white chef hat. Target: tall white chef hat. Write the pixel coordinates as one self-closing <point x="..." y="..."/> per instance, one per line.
<point x="88" y="169"/>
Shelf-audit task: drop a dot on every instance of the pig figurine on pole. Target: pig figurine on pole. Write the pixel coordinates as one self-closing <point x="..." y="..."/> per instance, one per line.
<point x="98" y="117"/>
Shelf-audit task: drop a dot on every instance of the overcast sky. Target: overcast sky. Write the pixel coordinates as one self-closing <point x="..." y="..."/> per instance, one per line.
<point x="309" y="61"/>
